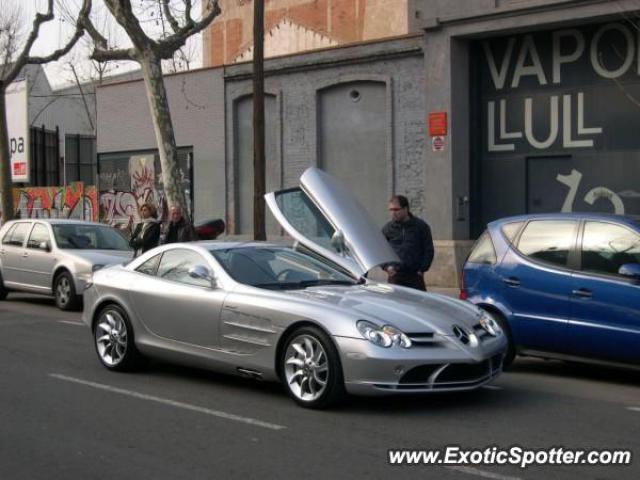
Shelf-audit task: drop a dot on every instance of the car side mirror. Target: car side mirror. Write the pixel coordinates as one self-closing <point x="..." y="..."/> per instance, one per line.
<point x="44" y="246"/>
<point x="202" y="273"/>
<point x="631" y="270"/>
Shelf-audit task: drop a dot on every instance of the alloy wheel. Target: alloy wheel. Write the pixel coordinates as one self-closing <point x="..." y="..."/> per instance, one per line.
<point x="63" y="291"/>
<point x="111" y="337"/>
<point x="306" y="368"/>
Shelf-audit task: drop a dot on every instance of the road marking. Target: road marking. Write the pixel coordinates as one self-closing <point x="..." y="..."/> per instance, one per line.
<point x="492" y="387"/>
<point x="172" y="403"/>
<point x="69" y="322"/>
<point x="482" y="473"/>
<point x="634" y="409"/>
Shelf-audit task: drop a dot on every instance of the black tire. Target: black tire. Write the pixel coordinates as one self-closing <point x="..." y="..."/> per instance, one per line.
<point x="113" y="339"/>
<point x="3" y="291"/>
<point x="510" y="354"/>
<point x="64" y="291"/>
<point x="333" y="390"/>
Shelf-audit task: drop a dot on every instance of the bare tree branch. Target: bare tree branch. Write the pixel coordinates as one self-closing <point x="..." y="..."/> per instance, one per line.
<point x="167" y="46"/>
<point x="175" y="26"/>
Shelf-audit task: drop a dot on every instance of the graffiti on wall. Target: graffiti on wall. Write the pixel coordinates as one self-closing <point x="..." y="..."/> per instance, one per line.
<point x="77" y="201"/>
<point x="131" y="182"/>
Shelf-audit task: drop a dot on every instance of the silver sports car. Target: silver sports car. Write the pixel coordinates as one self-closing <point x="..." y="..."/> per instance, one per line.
<point x="306" y="316"/>
<point x="56" y="256"/>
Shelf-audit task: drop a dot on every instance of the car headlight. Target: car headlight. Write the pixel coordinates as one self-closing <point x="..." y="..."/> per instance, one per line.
<point x="96" y="267"/>
<point x="490" y="325"/>
<point x="386" y="336"/>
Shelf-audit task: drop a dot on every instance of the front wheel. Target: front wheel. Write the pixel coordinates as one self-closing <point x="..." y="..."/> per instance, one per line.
<point x="65" y="292"/>
<point x="113" y="338"/>
<point x="310" y="369"/>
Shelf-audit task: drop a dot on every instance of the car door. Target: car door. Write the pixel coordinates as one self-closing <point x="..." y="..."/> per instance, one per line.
<point x="38" y="262"/>
<point x="174" y="305"/>
<point x="12" y="253"/>
<point x="605" y="306"/>
<point x="324" y="216"/>
<point x="536" y="278"/>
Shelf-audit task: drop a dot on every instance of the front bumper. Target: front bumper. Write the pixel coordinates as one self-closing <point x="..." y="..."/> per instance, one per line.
<point x="371" y="370"/>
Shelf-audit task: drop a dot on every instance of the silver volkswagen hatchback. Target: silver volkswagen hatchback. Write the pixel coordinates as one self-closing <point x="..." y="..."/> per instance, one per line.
<point x="56" y="257"/>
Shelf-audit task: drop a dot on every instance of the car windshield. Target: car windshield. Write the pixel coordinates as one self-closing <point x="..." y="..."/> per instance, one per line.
<point x="89" y="237"/>
<point x="278" y="268"/>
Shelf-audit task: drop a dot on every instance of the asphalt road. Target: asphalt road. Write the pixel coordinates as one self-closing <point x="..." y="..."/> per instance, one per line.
<point x="63" y="416"/>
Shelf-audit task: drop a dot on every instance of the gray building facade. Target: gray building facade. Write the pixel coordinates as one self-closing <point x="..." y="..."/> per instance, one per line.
<point x="542" y="99"/>
<point x="128" y="165"/>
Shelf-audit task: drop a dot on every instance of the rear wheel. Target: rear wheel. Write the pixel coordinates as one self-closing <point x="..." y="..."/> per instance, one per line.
<point x="3" y="290"/>
<point x="113" y="339"/>
<point x="310" y="368"/>
<point x="65" y="292"/>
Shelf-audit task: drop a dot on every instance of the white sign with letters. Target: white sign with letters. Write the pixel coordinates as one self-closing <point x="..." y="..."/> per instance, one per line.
<point x="16" y="98"/>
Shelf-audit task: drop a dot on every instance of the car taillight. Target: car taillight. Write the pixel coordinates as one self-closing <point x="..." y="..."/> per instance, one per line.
<point x="463" y="292"/>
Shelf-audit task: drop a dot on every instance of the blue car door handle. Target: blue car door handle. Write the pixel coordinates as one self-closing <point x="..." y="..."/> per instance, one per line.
<point x="582" y="292"/>
<point x="511" y="281"/>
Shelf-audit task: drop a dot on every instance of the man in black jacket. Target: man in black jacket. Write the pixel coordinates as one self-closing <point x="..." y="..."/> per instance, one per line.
<point x="177" y="229"/>
<point x="411" y="239"/>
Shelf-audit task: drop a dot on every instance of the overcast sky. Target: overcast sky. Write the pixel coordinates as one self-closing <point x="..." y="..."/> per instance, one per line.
<point x="55" y="33"/>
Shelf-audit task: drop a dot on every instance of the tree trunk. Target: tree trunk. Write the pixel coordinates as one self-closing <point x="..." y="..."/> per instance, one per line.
<point x="165" y="138"/>
<point x="6" y="185"/>
<point x="259" y="230"/>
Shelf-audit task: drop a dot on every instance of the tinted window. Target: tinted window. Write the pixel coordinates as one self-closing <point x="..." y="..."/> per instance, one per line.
<point x="7" y="236"/>
<point x="175" y="265"/>
<point x="483" y="251"/>
<point x="17" y="235"/>
<point x="89" y="237"/>
<point x="548" y="241"/>
<point x="38" y="235"/>
<point x="305" y="217"/>
<point x="510" y="230"/>
<point x="278" y="268"/>
<point x="150" y="267"/>
<point x="606" y="247"/>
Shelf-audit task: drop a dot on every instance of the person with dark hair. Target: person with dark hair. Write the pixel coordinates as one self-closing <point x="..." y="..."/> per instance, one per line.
<point x="147" y="233"/>
<point x="410" y="237"/>
<point x="177" y="229"/>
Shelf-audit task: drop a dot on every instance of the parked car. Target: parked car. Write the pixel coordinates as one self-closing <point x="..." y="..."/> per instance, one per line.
<point x="561" y="285"/>
<point x="306" y="316"/>
<point x="209" y="229"/>
<point x="56" y="257"/>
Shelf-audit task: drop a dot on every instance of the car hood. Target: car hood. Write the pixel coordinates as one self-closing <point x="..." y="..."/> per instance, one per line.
<point x="101" y="257"/>
<point x="410" y="311"/>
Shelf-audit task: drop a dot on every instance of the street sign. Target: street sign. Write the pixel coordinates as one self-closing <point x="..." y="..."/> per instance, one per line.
<point x="18" y="127"/>
<point x="437" y="144"/>
<point x="437" y="124"/>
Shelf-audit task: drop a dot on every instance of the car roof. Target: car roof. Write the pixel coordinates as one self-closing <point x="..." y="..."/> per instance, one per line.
<point x="629" y="219"/>
<point x="59" y="221"/>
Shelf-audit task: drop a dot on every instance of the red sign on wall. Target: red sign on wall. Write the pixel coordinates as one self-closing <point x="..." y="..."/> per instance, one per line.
<point x="19" y="168"/>
<point x="437" y="124"/>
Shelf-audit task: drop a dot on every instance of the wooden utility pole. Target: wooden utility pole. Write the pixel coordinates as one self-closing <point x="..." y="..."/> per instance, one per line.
<point x="259" y="231"/>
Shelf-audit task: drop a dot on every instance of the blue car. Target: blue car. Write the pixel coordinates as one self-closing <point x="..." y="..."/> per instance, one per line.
<point x="561" y="285"/>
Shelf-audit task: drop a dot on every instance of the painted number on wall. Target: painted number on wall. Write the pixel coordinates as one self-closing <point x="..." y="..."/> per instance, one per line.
<point x="573" y="182"/>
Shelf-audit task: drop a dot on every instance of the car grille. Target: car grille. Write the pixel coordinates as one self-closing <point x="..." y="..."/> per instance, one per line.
<point x="448" y="375"/>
